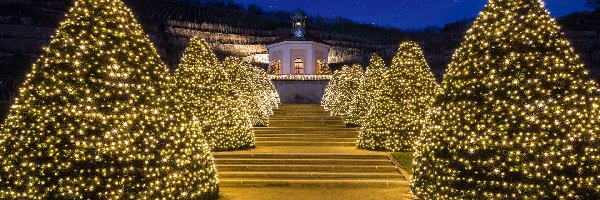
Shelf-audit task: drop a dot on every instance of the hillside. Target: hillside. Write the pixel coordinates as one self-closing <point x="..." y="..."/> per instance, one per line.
<point x="27" y="25"/>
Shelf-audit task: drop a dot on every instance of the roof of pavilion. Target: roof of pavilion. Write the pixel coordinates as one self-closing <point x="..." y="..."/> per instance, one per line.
<point x="288" y="36"/>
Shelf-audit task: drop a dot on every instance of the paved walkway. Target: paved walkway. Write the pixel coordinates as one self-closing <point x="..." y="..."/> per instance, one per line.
<point x="307" y="154"/>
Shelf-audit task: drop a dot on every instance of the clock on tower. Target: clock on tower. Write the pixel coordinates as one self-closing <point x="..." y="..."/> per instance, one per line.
<point x="298" y="32"/>
<point x="299" y="23"/>
<point x="297" y="51"/>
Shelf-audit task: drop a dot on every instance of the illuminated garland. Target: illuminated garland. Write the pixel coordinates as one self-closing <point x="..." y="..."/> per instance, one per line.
<point x="293" y="77"/>
<point x="363" y="98"/>
<point x="95" y="119"/>
<point x="519" y="115"/>
<point x="247" y="86"/>
<point x="207" y="103"/>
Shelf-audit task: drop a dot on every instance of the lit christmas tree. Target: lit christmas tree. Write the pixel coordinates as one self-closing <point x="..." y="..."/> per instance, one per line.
<point x="331" y="89"/>
<point x="207" y="102"/>
<point x="275" y="99"/>
<point x="411" y="90"/>
<point x="325" y="70"/>
<point x="267" y="90"/>
<point x="93" y="119"/>
<point x="518" y="117"/>
<point x="401" y="105"/>
<point x="362" y="100"/>
<point x="376" y="123"/>
<point x="245" y="83"/>
<point x="346" y="87"/>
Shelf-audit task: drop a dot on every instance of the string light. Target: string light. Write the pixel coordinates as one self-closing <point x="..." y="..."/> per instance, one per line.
<point x="518" y="118"/>
<point x="329" y="93"/>
<point x="297" y="77"/>
<point x="95" y="119"/>
<point x="371" y="81"/>
<point x="255" y="89"/>
<point x="339" y="93"/>
<point x="267" y="89"/>
<point x="401" y="106"/>
<point x="208" y="104"/>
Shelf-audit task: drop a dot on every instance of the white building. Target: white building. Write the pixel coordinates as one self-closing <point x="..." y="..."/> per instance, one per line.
<point x="298" y="52"/>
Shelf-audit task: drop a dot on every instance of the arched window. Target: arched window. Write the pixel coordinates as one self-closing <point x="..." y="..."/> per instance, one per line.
<point x="319" y="67"/>
<point x="299" y="66"/>
<point x="277" y="67"/>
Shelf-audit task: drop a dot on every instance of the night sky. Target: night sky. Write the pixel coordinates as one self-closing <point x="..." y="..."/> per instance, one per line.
<point x="406" y="14"/>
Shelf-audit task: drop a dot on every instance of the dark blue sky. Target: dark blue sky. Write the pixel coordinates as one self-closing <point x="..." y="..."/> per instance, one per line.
<point x="406" y="14"/>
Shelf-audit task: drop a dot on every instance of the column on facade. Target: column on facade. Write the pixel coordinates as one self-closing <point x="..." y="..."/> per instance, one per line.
<point x="310" y="64"/>
<point x="286" y="63"/>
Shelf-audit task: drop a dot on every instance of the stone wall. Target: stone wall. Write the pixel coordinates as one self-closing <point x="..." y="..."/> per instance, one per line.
<point x="301" y="92"/>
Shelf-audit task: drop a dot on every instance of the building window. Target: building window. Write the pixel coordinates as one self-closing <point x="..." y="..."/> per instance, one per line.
<point x="299" y="66"/>
<point x="277" y="67"/>
<point x="319" y="67"/>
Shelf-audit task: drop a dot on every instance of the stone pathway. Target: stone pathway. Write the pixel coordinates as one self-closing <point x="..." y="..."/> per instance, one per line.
<point x="307" y="154"/>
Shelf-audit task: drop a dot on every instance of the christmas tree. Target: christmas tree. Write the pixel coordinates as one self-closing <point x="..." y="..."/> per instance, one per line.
<point x="331" y="89"/>
<point x="268" y="93"/>
<point x="325" y="70"/>
<point x="94" y="119"/>
<point x="245" y="83"/>
<point x="362" y="100"/>
<point x="262" y="87"/>
<point x="401" y="104"/>
<point x="411" y="90"/>
<point x="208" y="103"/>
<point x="518" y="117"/>
<point x="346" y="87"/>
<point x="376" y="125"/>
<point x="275" y="100"/>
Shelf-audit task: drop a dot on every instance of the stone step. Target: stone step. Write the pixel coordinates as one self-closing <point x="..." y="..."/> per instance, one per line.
<point x="323" y="127"/>
<point x="303" y="143"/>
<point x="304" y="129"/>
<point x="301" y="113"/>
<point x="313" y="168"/>
<point x="300" y="116"/>
<point x="307" y="139"/>
<point x="292" y="112"/>
<point x="300" y="108"/>
<point x="300" y="105"/>
<point x="337" y="122"/>
<point x="300" y="155"/>
<point x="296" y="120"/>
<point x="314" y="135"/>
<point x="321" y="118"/>
<point x="304" y="116"/>
<point x="303" y="135"/>
<point x="305" y="132"/>
<point x="287" y="109"/>
<point x="308" y="174"/>
<point x="303" y="124"/>
<point x="303" y="161"/>
<point x="376" y="183"/>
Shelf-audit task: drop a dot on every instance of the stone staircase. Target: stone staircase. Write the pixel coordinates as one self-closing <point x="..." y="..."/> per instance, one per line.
<point x="288" y="154"/>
